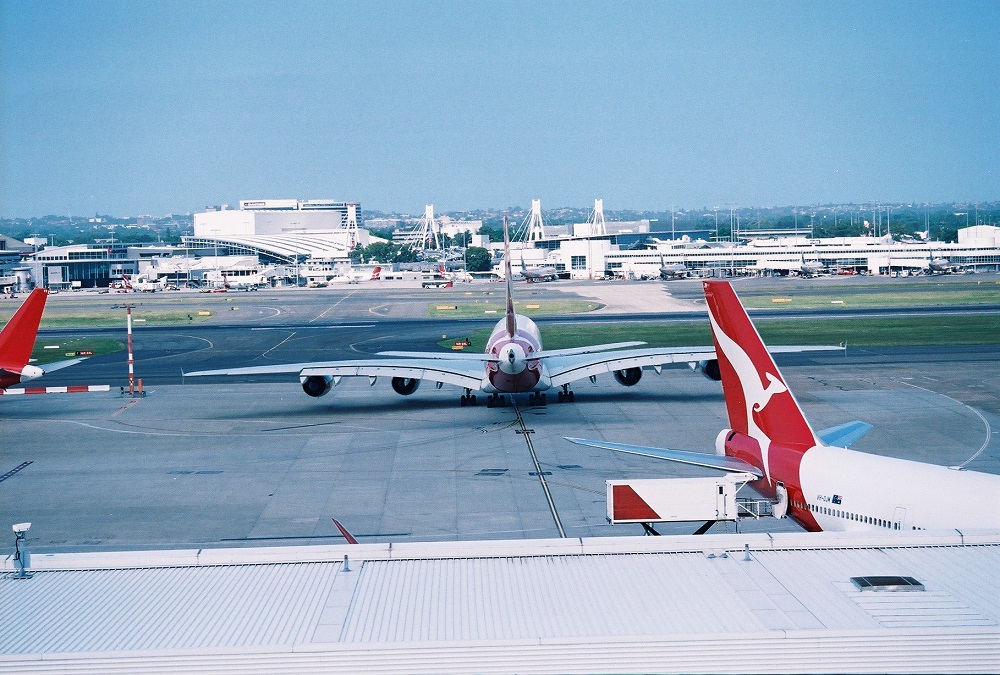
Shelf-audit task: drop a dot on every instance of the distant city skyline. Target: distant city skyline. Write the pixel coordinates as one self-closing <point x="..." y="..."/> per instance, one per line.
<point x="120" y="108"/>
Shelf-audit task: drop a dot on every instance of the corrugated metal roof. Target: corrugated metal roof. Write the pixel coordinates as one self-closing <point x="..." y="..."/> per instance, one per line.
<point x="680" y="604"/>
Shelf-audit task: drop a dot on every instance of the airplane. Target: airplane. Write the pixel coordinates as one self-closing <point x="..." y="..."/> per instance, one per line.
<point x="810" y="268"/>
<point x="513" y="362"/>
<point x="804" y="268"/>
<point x="457" y="275"/>
<point x="538" y="273"/>
<point x="821" y="486"/>
<point x="939" y="265"/>
<point x="673" y="270"/>
<point x="356" y="277"/>
<point x="17" y="340"/>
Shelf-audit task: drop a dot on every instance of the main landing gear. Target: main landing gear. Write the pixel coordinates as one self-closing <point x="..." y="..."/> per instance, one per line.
<point x="497" y="401"/>
<point x="536" y="399"/>
<point x="566" y="396"/>
<point x="468" y="398"/>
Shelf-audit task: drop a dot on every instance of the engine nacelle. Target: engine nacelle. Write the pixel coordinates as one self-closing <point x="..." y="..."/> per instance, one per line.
<point x="710" y="369"/>
<point x="405" y="385"/>
<point x="629" y="376"/>
<point x="317" y="385"/>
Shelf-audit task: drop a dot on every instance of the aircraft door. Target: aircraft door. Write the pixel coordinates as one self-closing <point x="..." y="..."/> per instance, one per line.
<point x="899" y="518"/>
<point x="781" y="505"/>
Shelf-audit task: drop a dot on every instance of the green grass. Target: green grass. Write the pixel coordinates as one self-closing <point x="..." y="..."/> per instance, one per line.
<point x="860" y="332"/>
<point x="69" y="316"/>
<point x="68" y="348"/>
<point x="987" y="293"/>
<point x="494" y="304"/>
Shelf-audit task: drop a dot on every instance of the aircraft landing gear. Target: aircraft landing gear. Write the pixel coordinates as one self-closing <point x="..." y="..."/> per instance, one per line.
<point x="536" y="399"/>
<point x="496" y="401"/>
<point x="468" y="399"/>
<point x="566" y="396"/>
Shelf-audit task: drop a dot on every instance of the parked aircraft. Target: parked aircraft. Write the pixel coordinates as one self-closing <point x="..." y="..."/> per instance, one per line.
<point x="357" y="276"/>
<point x="538" y="273"/>
<point x="821" y="486"/>
<point x="514" y="362"/>
<point x="17" y="340"/>
<point x="673" y="270"/>
<point x="939" y="265"/>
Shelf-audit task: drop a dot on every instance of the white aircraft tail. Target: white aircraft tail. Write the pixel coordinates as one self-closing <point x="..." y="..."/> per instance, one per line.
<point x="511" y="320"/>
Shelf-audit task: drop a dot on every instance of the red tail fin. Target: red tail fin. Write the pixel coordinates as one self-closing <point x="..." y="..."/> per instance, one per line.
<point x="511" y="320"/>
<point x="376" y="273"/>
<point x="17" y="338"/>
<point x="757" y="399"/>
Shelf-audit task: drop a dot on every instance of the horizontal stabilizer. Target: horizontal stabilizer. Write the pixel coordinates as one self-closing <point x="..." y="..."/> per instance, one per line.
<point x="59" y="365"/>
<point x="681" y="456"/>
<point x="795" y="349"/>
<point x="844" y="435"/>
<point x="480" y="357"/>
<point x="573" y="351"/>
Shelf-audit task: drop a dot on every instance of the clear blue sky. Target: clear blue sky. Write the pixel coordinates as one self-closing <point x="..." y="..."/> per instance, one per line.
<point x="150" y="107"/>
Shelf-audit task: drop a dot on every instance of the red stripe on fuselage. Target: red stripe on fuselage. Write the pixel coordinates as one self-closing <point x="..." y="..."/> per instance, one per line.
<point x="786" y="462"/>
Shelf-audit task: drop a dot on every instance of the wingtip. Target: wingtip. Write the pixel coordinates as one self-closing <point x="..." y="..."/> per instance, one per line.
<point x="343" y="531"/>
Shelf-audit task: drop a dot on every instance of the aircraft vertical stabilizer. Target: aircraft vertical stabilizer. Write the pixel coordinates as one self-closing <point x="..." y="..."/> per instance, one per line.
<point x="17" y="338"/>
<point x="756" y="395"/>
<point x="511" y="320"/>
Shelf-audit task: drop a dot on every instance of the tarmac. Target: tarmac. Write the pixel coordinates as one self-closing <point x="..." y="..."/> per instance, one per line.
<point x="229" y="464"/>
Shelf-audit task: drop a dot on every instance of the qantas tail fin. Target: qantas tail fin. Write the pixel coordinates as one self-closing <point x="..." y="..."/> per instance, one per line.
<point x="17" y="338"/>
<point x="511" y="320"/>
<point x="757" y="399"/>
<point x="376" y="273"/>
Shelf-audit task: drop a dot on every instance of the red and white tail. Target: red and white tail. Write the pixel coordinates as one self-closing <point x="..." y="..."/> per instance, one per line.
<point x="759" y="403"/>
<point x="17" y="338"/>
<point x="376" y="274"/>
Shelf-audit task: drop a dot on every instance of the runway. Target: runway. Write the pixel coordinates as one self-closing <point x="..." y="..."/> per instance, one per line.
<point x="221" y="464"/>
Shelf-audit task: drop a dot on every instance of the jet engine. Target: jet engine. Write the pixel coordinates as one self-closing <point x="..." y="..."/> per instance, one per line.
<point x="710" y="369"/>
<point x="629" y="376"/>
<point x="405" y="385"/>
<point x="317" y="385"/>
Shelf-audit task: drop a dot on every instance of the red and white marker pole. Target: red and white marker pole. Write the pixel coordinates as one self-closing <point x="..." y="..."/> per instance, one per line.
<point x="131" y="359"/>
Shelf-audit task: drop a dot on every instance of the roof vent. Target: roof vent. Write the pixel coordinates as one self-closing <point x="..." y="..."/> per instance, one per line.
<point x="887" y="584"/>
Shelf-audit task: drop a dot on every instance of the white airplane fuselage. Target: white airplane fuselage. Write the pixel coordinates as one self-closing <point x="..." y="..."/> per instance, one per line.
<point x="848" y="490"/>
<point x="837" y="489"/>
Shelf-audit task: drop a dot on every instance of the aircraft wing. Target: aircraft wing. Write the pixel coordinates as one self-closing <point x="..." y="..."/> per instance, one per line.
<point x="463" y="373"/>
<point x="719" y="462"/>
<point x="570" y="366"/>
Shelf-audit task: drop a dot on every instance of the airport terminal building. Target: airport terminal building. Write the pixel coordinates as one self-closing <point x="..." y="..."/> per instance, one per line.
<point x="632" y="255"/>
<point x="283" y="237"/>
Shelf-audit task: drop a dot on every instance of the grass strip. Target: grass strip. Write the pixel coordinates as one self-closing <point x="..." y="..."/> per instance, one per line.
<point x="859" y="332"/>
